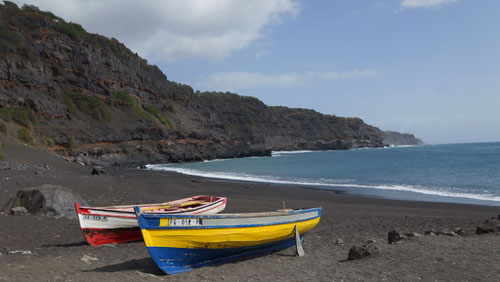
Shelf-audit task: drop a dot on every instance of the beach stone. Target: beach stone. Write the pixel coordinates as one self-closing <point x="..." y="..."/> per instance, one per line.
<point x="413" y="234"/>
<point x="488" y="226"/>
<point x="88" y="258"/>
<point x="356" y="252"/>
<point x="19" y="211"/>
<point x="339" y="242"/>
<point x="375" y="240"/>
<point x="47" y="200"/>
<point x="430" y="233"/>
<point x="394" y="237"/>
<point x="446" y="232"/>
<point x="21" y="252"/>
<point x="97" y="170"/>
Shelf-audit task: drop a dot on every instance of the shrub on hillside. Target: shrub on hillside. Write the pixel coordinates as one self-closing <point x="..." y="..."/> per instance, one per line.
<point x="10" y="42"/>
<point x="73" y="30"/>
<point x="247" y="115"/>
<point x="3" y="128"/>
<point x="22" y="116"/>
<point x="35" y="10"/>
<point x="47" y="141"/>
<point x="72" y="145"/>
<point x="124" y="97"/>
<point x="78" y="103"/>
<point x="10" y="5"/>
<point x="24" y="135"/>
<point x="10" y="36"/>
<point x="171" y="106"/>
<point x="170" y="124"/>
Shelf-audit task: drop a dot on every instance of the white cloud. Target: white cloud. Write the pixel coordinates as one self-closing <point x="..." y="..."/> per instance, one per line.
<point x="235" y="81"/>
<point x="175" y="29"/>
<point x="427" y="4"/>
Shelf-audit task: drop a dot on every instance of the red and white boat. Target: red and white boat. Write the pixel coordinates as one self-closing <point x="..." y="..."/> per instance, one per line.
<point x="118" y="224"/>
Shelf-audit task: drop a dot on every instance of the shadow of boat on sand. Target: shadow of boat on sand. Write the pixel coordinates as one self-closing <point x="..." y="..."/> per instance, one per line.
<point x="144" y="265"/>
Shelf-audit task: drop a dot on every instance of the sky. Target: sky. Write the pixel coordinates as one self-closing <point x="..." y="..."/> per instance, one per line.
<point x="427" y="67"/>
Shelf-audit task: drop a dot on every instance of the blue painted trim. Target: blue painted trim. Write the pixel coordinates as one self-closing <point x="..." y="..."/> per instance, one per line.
<point x="176" y="260"/>
<point x="147" y="224"/>
<point x="201" y="216"/>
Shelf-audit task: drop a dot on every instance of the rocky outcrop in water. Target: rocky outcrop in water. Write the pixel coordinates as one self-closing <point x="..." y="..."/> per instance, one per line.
<point x="90" y="98"/>
<point x="397" y="139"/>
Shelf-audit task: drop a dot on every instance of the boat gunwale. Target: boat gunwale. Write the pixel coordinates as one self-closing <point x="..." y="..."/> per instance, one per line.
<point x="117" y="208"/>
<point x="160" y="215"/>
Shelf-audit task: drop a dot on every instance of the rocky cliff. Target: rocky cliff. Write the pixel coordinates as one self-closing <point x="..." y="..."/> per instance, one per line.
<point x="89" y="97"/>
<point x="397" y="139"/>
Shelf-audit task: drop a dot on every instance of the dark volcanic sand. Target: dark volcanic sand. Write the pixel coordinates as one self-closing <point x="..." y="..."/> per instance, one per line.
<point x="57" y="244"/>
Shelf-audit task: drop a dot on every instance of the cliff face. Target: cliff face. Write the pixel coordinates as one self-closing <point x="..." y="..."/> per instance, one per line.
<point x="90" y="97"/>
<point x="397" y="139"/>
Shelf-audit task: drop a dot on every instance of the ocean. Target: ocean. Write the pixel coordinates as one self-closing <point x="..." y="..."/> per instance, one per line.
<point x="459" y="173"/>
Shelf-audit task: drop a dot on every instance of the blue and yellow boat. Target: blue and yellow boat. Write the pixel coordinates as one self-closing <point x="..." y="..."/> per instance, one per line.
<point x="180" y="243"/>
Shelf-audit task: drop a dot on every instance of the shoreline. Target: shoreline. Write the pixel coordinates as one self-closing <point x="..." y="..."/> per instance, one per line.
<point x="339" y="194"/>
<point x="378" y="191"/>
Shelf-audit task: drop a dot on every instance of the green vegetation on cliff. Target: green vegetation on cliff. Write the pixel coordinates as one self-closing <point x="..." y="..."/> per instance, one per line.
<point x="24" y="135"/>
<point x="120" y="97"/>
<point x="22" y="116"/>
<point x="78" y="104"/>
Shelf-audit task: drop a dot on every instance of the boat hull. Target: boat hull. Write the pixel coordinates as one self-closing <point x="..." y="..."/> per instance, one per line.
<point x="176" y="260"/>
<point x="217" y="239"/>
<point x="108" y="226"/>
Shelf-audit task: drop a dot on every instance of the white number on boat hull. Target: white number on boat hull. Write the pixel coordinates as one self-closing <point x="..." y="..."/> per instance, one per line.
<point x="184" y="222"/>
<point x="95" y="217"/>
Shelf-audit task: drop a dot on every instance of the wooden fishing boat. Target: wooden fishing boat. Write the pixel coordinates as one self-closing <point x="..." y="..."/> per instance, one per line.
<point x="179" y="243"/>
<point x="118" y="224"/>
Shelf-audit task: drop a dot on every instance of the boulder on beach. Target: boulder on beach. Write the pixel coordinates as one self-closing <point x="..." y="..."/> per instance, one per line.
<point x="47" y="200"/>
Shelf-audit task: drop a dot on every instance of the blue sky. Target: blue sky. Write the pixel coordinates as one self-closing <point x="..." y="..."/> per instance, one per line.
<point x="428" y="67"/>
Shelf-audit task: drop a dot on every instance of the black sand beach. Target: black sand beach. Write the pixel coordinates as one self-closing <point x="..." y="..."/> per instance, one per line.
<point x="57" y="250"/>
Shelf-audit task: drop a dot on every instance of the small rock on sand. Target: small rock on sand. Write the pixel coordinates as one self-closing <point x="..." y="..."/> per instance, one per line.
<point x="430" y="233"/>
<point x="88" y="258"/>
<point x="446" y="232"/>
<point x="21" y="252"/>
<point x="394" y="237"/>
<point x="359" y="252"/>
<point x="19" y="210"/>
<point x="97" y="170"/>
<point x="413" y="234"/>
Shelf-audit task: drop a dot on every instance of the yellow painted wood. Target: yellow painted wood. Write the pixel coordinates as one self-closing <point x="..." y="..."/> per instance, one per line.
<point x="217" y="238"/>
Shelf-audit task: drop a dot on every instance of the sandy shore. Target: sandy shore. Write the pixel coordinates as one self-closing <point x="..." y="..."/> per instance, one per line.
<point x="57" y="245"/>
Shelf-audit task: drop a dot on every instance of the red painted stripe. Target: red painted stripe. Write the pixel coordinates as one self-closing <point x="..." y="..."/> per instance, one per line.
<point x="97" y="236"/>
